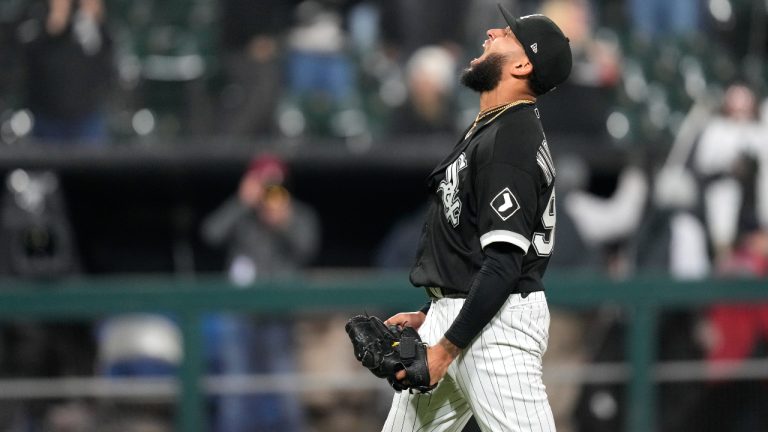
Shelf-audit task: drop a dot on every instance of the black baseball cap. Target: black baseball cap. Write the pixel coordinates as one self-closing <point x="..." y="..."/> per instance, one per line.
<point x="546" y="46"/>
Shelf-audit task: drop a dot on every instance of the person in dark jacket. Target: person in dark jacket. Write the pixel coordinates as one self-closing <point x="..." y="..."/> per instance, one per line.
<point x="68" y="61"/>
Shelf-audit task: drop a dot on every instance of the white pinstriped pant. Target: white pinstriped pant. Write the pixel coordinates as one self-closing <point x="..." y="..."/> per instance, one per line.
<point x="497" y="377"/>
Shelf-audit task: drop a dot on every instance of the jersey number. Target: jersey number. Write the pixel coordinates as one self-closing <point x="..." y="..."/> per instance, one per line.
<point x="545" y="242"/>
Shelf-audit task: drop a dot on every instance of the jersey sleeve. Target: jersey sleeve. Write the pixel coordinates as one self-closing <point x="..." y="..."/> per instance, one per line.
<point x="507" y="205"/>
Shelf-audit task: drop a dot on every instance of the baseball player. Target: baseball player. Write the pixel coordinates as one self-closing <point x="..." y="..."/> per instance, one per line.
<point x="486" y="242"/>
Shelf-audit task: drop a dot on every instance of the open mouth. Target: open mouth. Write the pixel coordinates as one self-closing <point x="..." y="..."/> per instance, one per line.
<point x="477" y="59"/>
<point x="485" y="49"/>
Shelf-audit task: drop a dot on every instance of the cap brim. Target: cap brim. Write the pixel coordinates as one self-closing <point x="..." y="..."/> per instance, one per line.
<point x="511" y="20"/>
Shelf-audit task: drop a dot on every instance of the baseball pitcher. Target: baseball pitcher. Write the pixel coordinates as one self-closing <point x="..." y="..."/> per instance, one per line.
<point x="484" y="248"/>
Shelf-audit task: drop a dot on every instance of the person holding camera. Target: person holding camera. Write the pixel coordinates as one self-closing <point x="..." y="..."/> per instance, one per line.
<point x="268" y="234"/>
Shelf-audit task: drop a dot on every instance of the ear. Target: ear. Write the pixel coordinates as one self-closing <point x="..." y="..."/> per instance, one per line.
<point x="522" y="68"/>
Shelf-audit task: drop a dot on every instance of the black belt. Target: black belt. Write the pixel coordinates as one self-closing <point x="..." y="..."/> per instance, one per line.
<point x="437" y="292"/>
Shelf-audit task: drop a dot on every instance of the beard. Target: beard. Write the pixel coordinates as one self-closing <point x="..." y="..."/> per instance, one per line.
<point x="485" y="75"/>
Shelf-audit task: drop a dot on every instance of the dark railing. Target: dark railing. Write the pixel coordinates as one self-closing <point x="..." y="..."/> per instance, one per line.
<point x="188" y="299"/>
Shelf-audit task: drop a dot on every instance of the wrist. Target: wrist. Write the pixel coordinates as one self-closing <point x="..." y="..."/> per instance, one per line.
<point x="447" y="349"/>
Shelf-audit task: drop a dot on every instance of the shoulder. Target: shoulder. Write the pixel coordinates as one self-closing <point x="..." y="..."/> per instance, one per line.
<point x="516" y="137"/>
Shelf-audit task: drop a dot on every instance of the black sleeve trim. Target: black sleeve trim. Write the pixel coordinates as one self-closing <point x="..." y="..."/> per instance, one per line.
<point x="492" y="285"/>
<point x="424" y="309"/>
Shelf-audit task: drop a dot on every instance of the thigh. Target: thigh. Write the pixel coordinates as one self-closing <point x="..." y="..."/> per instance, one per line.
<point x="501" y="373"/>
<point x="443" y="410"/>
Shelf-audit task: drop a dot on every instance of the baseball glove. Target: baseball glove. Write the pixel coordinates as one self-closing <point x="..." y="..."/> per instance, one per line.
<point x="385" y="350"/>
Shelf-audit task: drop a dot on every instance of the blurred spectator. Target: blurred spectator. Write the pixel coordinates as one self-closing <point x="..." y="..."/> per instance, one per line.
<point x="673" y="237"/>
<point x="429" y="106"/>
<point x="733" y="333"/>
<point x="409" y="25"/>
<point x="573" y="253"/>
<point x="761" y="156"/>
<point x="733" y="174"/>
<point x="252" y="45"/>
<point x="38" y="238"/>
<point x="321" y="76"/>
<point x="68" y="60"/>
<point x="608" y="223"/>
<point x="39" y="244"/>
<point x="268" y="234"/>
<point x="652" y="19"/>
<point x="135" y="345"/>
<point x="731" y="135"/>
<point x="590" y="89"/>
<point x="597" y="58"/>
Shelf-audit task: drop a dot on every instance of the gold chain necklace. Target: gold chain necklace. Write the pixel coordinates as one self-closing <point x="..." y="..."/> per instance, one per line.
<point x="498" y="110"/>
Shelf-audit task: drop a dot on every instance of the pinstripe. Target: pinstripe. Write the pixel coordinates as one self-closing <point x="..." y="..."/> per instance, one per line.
<point x="540" y="383"/>
<point x="525" y="318"/>
<point x="531" y="381"/>
<point x="468" y="384"/>
<point x="471" y="389"/>
<point x="514" y="362"/>
<point x="421" y="428"/>
<point x="547" y="407"/>
<point x="396" y="402"/>
<point x="541" y="404"/>
<point x="459" y="424"/>
<point x="461" y="360"/>
<point x="416" y="414"/>
<point x="448" y="402"/>
<point x="506" y="373"/>
<point x="405" y="412"/>
<point x="482" y="386"/>
<point x="544" y="327"/>
<point x="494" y="378"/>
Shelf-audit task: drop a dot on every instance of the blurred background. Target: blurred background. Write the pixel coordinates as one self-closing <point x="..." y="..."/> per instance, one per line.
<point x="197" y="194"/>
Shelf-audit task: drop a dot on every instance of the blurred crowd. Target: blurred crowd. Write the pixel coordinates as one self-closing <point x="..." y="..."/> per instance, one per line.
<point x="661" y="147"/>
<point x="360" y="71"/>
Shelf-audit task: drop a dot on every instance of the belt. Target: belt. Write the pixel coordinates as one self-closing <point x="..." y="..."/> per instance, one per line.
<point x="437" y="292"/>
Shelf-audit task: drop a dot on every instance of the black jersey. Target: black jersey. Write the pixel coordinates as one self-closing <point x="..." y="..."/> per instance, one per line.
<point x="497" y="185"/>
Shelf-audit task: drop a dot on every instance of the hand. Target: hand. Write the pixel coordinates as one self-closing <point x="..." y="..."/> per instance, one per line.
<point x="93" y="8"/>
<point x="439" y="357"/>
<point x="251" y="191"/>
<point x="262" y="48"/>
<point x="276" y="211"/>
<point x="58" y="16"/>
<point x="410" y="319"/>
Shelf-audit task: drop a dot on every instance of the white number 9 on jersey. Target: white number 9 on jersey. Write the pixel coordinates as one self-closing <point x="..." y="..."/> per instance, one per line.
<point x="542" y="242"/>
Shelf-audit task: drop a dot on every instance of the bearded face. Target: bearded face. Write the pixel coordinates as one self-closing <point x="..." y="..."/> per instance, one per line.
<point x="484" y="75"/>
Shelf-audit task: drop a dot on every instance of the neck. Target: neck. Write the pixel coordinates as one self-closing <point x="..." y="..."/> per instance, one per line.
<point x="498" y="97"/>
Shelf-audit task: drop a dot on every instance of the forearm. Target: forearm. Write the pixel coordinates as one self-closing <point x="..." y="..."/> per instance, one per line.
<point x="218" y="226"/>
<point x="490" y="289"/>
